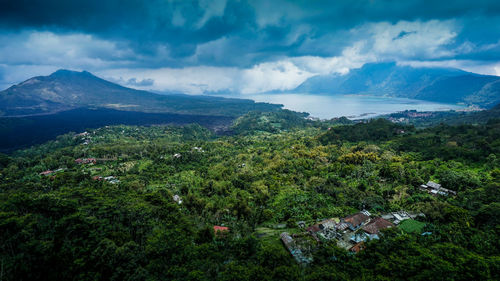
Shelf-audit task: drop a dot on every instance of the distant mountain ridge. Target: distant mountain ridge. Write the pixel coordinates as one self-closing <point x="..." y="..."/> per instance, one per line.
<point x="445" y="85"/>
<point x="65" y="90"/>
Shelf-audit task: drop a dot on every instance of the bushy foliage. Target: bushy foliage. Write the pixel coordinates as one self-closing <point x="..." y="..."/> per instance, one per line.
<point x="70" y="225"/>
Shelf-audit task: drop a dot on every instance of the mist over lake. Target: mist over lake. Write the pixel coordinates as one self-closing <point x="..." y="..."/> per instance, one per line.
<point x="352" y="106"/>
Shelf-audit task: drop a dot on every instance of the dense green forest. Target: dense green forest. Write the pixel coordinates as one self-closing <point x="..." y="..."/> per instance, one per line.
<point x="116" y="219"/>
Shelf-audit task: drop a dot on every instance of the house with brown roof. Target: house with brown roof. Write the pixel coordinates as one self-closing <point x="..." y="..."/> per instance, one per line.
<point x="373" y="227"/>
<point x="86" y="161"/>
<point x="355" y="221"/>
<point x="358" y="247"/>
<point x="324" y="229"/>
<point x="46" y="173"/>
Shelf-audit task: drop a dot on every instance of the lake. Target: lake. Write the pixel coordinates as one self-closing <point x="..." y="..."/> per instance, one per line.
<point x="352" y="106"/>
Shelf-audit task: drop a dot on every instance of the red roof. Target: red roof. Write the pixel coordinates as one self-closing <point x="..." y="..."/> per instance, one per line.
<point x="85" y="160"/>
<point x="356" y="219"/>
<point x="45" y="173"/>
<point x="376" y="225"/>
<point x="220" y="229"/>
<point x="314" y="228"/>
<point x="358" y="247"/>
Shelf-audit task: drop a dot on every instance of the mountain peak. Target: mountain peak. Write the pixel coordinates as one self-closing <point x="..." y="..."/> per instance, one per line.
<point x="438" y="84"/>
<point x="68" y="73"/>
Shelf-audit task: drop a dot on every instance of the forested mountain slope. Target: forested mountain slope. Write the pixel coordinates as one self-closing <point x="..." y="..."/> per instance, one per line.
<point x="117" y="217"/>
<point x="425" y="83"/>
<point x="65" y="89"/>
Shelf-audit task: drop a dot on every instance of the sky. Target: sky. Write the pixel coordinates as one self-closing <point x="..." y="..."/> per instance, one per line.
<point x="241" y="47"/>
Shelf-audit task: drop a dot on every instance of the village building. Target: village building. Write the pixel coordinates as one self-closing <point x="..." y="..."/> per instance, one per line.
<point x="397" y="217"/>
<point x="324" y="229"/>
<point x="296" y="250"/>
<point x="372" y="229"/>
<point x="84" y="134"/>
<point x="436" y="189"/>
<point x="86" y="161"/>
<point x="357" y="220"/>
<point x="50" y="172"/>
<point x="301" y="224"/>
<point x="400" y="216"/>
<point x="358" y="247"/>
<point x="177" y="155"/>
<point x="111" y="179"/>
<point x="46" y="173"/>
<point x="220" y="230"/>
<point x="177" y="199"/>
<point x="359" y="236"/>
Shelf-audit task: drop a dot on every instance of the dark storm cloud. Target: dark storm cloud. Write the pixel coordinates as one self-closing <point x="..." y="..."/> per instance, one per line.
<point x="257" y="30"/>
<point x="250" y="36"/>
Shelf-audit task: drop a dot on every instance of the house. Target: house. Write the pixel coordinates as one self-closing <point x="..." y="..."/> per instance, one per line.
<point x="433" y="185"/>
<point x="358" y="247"/>
<point x="400" y="216"/>
<point x="360" y="236"/>
<point x="313" y="229"/>
<point x="341" y="226"/>
<point x="301" y="224"/>
<point x="112" y="179"/>
<point x="436" y="189"/>
<point x="295" y="248"/>
<point x="356" y="221"/>
<point x="220" y="230"/>
<point x="397" y="217"/>
<point x="373" y="227"/>
<point x="177" y="199"/>
<point x="86" y="161"/>
<point x="324" y="229"/>
<point x="46" y="173"/>
<point x="177" y="155"/>
<point x="199" y="149"/>
<point x="84" y="134"/>
<point x="97" y="178"/>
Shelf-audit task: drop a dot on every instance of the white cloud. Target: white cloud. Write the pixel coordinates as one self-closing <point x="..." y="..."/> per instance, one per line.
<point x="486" y="68"/>
<point x="351" y="57"/>
<point x="189" y="80"/>
<point x="417" y="39"/>
<point x="264" y="77"/>
<point x="67" y="50"/>
<point x="281" y="75"/>
<point x="418" y="43"/>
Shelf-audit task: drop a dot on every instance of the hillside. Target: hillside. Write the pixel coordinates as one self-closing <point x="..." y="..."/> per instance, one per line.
<point x="432" y="84"/>
<point x="64" y="90"/>
<point x="432" y="118"/>
<point x="179" y="203"/>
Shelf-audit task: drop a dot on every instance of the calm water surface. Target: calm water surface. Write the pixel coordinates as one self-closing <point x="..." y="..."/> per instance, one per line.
<point x="352" y="106"/>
